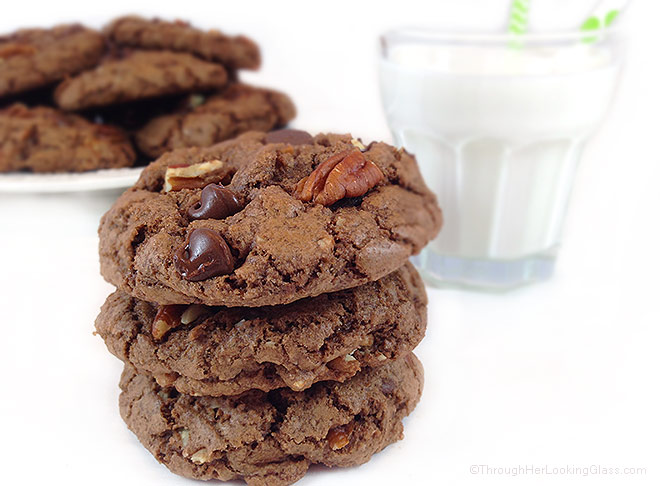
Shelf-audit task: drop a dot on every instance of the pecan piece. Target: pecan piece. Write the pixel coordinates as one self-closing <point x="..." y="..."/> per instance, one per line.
<point x="345" y="364"/>
<point x="190" y="176"/>
<point x="201" y="456"/>
<point x="340" y="436"/>
<point x="356" y="142"/>
<point x="192" y="313"/>
<point x="167" y="318"/>
<point x="346" y="174"/>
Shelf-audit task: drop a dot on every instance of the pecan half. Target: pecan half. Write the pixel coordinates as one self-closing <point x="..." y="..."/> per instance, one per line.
<point x="346" y="174"/>
<point x="190" y="176"/>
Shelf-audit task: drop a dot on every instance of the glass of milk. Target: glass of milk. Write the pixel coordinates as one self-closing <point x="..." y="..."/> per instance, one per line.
<point x="498" y="124"/>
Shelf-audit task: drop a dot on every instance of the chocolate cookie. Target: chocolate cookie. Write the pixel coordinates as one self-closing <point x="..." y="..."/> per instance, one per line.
<point x="136" y="75"/>
<point x="31" y="58"/>
<point x="270" y="439"/>
<point x="225" y="351"/>
<point x="204" y="121"/>
<point x="233" y="52"/>
<point x="296" y="220"/>
<point x="43" y="139"/>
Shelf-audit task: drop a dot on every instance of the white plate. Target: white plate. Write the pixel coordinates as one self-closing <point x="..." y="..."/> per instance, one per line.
<point x="69" y="182"/>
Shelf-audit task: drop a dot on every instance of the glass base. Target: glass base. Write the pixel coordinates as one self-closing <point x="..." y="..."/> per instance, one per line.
<point x="442" y="271"/>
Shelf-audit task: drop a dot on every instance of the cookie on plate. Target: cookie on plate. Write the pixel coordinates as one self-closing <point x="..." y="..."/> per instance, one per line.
<point x="270" y="439"/>
<point x="300" y="216"/>
<point x="43" y="139"/>
<point x="234" y="52"/>
<point x="204" y="121"/>
<point x="133" y="75"/>
<point x="218" y="351"/>
<point x="31" y="58"/>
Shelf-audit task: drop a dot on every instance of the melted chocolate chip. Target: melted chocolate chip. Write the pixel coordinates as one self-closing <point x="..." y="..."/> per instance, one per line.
<point x="204" y="255"/>
<point x="216" y="202"/>
<point x="292" y="137"/>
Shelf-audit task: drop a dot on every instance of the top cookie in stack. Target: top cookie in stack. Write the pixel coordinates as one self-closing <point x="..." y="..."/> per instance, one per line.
<point x="267" y="219"/>
<point x="153" y="85"/>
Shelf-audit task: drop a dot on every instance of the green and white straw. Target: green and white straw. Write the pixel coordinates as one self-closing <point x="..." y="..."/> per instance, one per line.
<point x="604" y="14"/>
<point x="519" y="17"/>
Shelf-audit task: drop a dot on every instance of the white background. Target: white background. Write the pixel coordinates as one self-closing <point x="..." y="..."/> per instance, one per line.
<point x="563" y="373"/>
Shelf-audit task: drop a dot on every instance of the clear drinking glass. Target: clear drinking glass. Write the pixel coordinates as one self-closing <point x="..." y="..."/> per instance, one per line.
<point x="497" y="124"/>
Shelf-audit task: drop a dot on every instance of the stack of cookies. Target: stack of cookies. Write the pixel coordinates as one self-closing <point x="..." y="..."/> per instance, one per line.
<point x="266" y="312"/>
<point x="76" y="99"/>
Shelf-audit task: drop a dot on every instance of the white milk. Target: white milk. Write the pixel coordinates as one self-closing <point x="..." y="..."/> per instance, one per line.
<point x="498" y="133"/>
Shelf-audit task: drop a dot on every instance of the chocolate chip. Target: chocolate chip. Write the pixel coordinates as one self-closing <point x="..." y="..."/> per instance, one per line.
<point x="292" y="137"/>
<point x="216" y="202"/>
<point x="204" y="255"/>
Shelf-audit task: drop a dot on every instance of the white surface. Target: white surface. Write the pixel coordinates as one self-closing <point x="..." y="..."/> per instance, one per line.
<point x="560" y="373"/>
<point x="85" y="181"/>
<point x="498" y="133"/>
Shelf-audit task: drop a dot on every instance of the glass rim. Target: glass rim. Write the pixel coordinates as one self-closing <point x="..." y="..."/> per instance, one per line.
<point x="438" y="35"/>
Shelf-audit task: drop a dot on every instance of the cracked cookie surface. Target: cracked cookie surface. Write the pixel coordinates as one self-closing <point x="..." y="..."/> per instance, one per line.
<point x="226" y="351"/>
<point x="283" y="249"/>
<point x="270" y="439"/>
<point x="218" y="117"/>
<point x="31" y="58"/>
<point x="43" y="139"/>
<point x="138" y="74"/>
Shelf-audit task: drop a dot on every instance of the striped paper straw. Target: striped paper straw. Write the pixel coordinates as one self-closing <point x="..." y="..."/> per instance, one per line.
<point x="602" y="16"/>
<point x="519" y="17"/>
